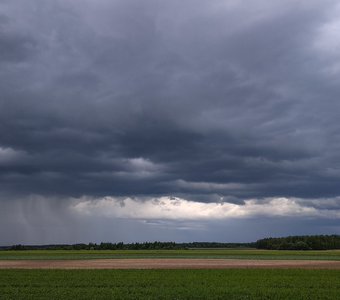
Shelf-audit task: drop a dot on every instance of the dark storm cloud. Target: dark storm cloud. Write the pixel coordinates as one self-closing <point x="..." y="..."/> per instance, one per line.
<point x="145" y="98"/>
<point x="15" y="47"/>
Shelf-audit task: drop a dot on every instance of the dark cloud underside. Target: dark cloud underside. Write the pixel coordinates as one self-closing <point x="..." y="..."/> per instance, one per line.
<point x="195" y="99"/>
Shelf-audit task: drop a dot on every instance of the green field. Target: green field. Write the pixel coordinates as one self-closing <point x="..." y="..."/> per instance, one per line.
<point x="170" y="284"/>
<point x="197" y="253"/>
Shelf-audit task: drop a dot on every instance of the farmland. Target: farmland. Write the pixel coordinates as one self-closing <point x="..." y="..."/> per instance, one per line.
<point x="170" y="284"/>
<point x="170" y="274"/>
<point x="196" y="253"/>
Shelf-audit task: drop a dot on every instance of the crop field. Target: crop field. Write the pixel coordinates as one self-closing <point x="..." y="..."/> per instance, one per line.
<point x="170" y="274"/>
<point x="170" y="284"/>
<point x="333" y="255"/>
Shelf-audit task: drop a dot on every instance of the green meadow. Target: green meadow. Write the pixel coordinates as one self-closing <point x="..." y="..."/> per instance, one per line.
<point x="194" y="253"/>
<point x="170" y="284"/>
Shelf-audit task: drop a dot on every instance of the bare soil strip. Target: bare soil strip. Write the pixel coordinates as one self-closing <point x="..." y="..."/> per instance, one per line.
<point x="167" y="264"/>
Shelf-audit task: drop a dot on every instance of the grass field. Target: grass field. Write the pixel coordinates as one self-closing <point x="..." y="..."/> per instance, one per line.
<point x="170" y="284"/>
<point x="197" y="253"/>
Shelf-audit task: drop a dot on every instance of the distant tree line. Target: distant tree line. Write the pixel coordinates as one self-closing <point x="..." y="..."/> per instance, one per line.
<point x="212" y="245"/>
<point x="130" y="246"/>
<point x="306" y="242"/>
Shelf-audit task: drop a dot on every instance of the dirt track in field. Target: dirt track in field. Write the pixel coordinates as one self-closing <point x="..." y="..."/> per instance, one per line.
<point x="167" y="264"/>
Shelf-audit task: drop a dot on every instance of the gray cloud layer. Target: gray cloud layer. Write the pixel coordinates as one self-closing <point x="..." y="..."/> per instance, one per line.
<point x="195" y="99"/>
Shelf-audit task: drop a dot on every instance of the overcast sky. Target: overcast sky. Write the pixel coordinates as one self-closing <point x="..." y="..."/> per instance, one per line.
<point x="183" y="120"/>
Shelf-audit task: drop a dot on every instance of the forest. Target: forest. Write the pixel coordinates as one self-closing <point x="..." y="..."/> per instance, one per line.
<point x="306" y="242"/>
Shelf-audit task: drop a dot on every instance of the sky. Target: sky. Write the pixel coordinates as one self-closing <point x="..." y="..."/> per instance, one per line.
<point x="183" y="120"/>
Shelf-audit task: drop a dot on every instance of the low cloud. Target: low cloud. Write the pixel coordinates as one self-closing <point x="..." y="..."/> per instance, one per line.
<point x="39" y="220"/>
<point x="173" y="208"/>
